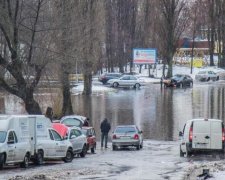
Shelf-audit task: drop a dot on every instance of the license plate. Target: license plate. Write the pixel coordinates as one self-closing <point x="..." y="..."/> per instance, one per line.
<point x="125" y="137"/>
<point x="201" y="146"/>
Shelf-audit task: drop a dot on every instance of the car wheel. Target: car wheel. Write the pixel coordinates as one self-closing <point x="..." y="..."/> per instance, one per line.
<point x="141" y="146"/>
<point x="92" y="150"/>
<point x="217" y="78"/>
<point x="84" y="151"/>
<point x="39" y="158"/>
<point x="115" y="84"/>
<point x="2" y="160"/>
<point x="25" y="162"/>
<point x="138" y="147"/>
<point x="114" y="147"/>
<point x="69" y="156"/>
<point x="208" y="79"/>
<point x="137" y="86"/>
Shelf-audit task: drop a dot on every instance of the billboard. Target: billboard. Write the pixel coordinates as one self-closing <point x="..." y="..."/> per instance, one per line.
<point x="144" y="56"/>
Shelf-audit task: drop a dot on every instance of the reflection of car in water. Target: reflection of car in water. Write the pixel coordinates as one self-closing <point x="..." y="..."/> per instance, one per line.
<point x="206" y="75"/>
<point x="178" y="80"/>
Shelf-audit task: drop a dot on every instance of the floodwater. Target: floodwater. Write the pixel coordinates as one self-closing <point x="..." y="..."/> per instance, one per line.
<point x="159" y="113"/>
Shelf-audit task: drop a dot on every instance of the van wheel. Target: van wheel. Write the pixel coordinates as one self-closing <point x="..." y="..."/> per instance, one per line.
<point x="25" y="162"/>
<point x="84" y="151"/>
<point x="2" y="160"/>
<point x="221" y="155"/>
<point x="181" y="153"/>
<point x="39" y="158"/>
<point x="69" y="156"/>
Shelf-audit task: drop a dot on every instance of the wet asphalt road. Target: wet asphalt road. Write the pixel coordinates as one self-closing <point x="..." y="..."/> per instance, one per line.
<point x="157" y="160"/>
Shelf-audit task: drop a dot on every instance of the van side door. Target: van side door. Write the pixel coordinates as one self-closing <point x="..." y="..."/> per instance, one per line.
<point x="11" y="147"/>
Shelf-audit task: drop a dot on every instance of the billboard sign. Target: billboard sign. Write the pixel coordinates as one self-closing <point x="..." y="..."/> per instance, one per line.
<point x="144" y="56"/>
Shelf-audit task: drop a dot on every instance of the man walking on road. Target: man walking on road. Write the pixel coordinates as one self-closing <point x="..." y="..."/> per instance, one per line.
<point x="105" y="127"/>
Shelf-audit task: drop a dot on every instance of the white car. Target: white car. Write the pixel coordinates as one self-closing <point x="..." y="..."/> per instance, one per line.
<point x="206" y="75"/>
<point x="75" y="136"/>
<point x="202" y="135"/>
<point x="126" y="81"/>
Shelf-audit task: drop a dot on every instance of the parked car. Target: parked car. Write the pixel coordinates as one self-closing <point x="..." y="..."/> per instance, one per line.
<point x="89" y="132"/>
<point x="206" y="75"/>
<point x="107" y="76"/>
<point x="179" y="80"/>
<point x="202" y="135"/>
<point x="126" y="136"/>
<point x="73" y="120"/>
<point x="73" y="135"/>
<point x="126" y="81"/>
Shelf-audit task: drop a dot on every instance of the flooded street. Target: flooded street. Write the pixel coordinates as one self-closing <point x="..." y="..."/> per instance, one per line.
<point x="159" y="113"/>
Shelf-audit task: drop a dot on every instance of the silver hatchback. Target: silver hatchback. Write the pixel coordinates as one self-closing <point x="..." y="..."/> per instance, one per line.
<point x="127" y="136"/>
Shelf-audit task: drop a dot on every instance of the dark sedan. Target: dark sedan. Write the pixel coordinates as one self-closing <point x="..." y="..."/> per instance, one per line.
<point x="178" y="80"/>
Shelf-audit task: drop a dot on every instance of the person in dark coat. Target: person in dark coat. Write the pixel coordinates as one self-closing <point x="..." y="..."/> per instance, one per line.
<point x="105" y="128"/>
<point x="86" y="122"/>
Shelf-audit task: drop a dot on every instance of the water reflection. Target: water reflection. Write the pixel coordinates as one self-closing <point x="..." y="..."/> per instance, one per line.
<point x="159" y="113"/>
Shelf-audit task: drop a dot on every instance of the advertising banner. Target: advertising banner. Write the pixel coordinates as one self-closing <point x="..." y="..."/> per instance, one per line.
<point x="144" y="56"/>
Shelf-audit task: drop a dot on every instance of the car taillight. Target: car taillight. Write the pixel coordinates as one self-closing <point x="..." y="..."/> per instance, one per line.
<point x="136" y="136"/>
<point x="114" y="136"/>
<point x="223" y="134"/>
<point x="190" y="134"/>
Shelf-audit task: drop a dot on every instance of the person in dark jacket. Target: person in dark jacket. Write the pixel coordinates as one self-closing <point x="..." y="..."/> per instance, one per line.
<point x="105" y="127"/>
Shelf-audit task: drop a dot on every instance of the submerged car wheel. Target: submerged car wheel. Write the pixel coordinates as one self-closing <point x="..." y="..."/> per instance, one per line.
<point x="25" y="162"/>
<point x="115" y="84"/>
<point x="138" y="147"/>
<point x="114" y="147"/>
<point x="137" y="86"/>
<point x="69" y="156"/>
<point x="2" y="160"/>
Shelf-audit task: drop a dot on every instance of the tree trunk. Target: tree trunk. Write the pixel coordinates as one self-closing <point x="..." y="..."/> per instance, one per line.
<point x="31" y="106"/>
<point x="67" y="108"/>
<point x="87" y="84"/>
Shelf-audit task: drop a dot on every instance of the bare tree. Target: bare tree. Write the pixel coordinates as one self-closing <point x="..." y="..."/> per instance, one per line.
<point x="24" y="43"/>
<point x="173" y="22"/>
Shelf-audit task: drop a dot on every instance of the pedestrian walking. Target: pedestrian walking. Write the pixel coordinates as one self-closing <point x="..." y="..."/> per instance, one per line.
<point x="105" y="128"/>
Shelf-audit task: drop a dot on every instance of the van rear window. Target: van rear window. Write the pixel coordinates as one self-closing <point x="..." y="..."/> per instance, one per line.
<point x="2" y="136"/>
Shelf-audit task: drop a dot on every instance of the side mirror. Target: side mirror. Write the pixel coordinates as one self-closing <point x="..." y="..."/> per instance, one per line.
<point x="11" y="142"/>
<point x="72" y="137"/>
<point x="180" y="134"/>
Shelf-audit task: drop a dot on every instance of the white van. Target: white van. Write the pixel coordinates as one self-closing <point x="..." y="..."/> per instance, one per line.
<point x="202" y="135"/>
<point x="25" y="137"/>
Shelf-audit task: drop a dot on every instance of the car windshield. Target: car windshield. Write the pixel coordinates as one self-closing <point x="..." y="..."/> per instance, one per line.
<point x="2" y="136"/>
<point x="178" y="76"/>
<point x="72" y="122"/>
<point x="84" y="131"/>
<point x="125" y="130"/>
